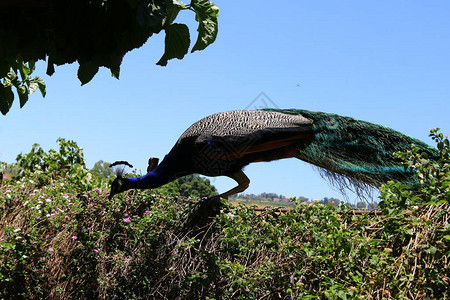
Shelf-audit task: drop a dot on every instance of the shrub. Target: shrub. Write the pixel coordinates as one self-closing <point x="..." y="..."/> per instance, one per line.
<point x="59" y="238"/>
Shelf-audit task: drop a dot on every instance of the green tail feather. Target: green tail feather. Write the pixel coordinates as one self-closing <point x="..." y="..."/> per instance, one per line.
<point x="353" y="151"/>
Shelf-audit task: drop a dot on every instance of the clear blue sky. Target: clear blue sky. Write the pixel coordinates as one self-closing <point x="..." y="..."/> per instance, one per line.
<point x="386" y="62"/>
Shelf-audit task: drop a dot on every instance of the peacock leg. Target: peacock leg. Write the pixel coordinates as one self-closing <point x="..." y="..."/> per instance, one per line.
<point x="243" y="183"/>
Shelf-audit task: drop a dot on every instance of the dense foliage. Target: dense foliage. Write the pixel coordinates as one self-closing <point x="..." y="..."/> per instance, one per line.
<point x="61" y="238"/>
<point x="188" y="186"/>
<point x="93" y="33"/>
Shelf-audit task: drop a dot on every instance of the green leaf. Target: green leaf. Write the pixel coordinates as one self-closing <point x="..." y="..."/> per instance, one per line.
<point x="7" y="82"/>
<point x="31" y="66"/>
<point x="12" y="77"/>
<point x="22" y="91"/>
<point x="6" y="98"/>
<point x="50" y="68"/>
<point x="206" y="13"/>
<point x="115" y="72"/>
<point x="41" y="85"/>
<point x="32" y="87"/>
<point x="173" y="8"/>
<point x="87" y="71"/>
<point x="432" y="250"/>
<point x="176" y="43"/>
<point x="151" y="13"/>
<point x="24" y="71"/>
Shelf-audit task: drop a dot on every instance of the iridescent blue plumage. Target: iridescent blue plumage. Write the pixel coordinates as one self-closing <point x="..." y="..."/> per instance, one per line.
<point x="357" y="150"/>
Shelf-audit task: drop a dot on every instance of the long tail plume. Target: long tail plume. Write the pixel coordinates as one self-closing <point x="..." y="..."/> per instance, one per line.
<point x="355" y="153"/>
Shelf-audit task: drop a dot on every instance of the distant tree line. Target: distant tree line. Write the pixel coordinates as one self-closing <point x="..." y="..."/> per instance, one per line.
<point x="273" y="197"/>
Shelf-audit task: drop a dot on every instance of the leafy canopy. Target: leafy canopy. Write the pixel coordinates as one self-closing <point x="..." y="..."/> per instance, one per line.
<point x="93" y="33"/>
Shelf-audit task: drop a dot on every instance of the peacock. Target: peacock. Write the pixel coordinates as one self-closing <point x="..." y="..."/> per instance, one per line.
<point x="350" y="152"/>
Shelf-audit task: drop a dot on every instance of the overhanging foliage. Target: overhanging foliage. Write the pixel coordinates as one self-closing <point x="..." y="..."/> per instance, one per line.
<point x="94" y="33"/>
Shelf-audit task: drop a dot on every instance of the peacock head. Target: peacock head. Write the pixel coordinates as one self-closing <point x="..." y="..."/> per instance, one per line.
<point x="117" y="187"/>
<point x="119" y="184"/>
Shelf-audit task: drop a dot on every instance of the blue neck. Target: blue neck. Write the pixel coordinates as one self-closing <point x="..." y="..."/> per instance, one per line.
<point x="167" y="171"/>
<point x="149" y="181"/>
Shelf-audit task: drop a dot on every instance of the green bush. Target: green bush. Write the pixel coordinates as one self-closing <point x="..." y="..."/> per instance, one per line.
<point x="188" y="186"/>
<point x="62" y="238"/>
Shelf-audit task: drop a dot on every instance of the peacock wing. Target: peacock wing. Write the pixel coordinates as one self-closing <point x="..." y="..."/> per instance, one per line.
<point x="231" y="147"/>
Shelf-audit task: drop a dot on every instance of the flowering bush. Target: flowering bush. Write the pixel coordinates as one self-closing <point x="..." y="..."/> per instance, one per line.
<point x="61" y="238"/>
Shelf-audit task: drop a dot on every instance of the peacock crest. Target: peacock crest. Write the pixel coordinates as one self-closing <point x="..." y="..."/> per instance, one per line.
<point x="120" y="167"/>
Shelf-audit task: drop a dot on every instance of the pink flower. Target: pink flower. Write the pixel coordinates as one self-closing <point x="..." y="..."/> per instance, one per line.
<point x="50" y="249"/>
<point x="126" y="220"/>
<point x="147" y="212"/>
<point x="74" y="238"/>
<point x="96" y="251"/>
